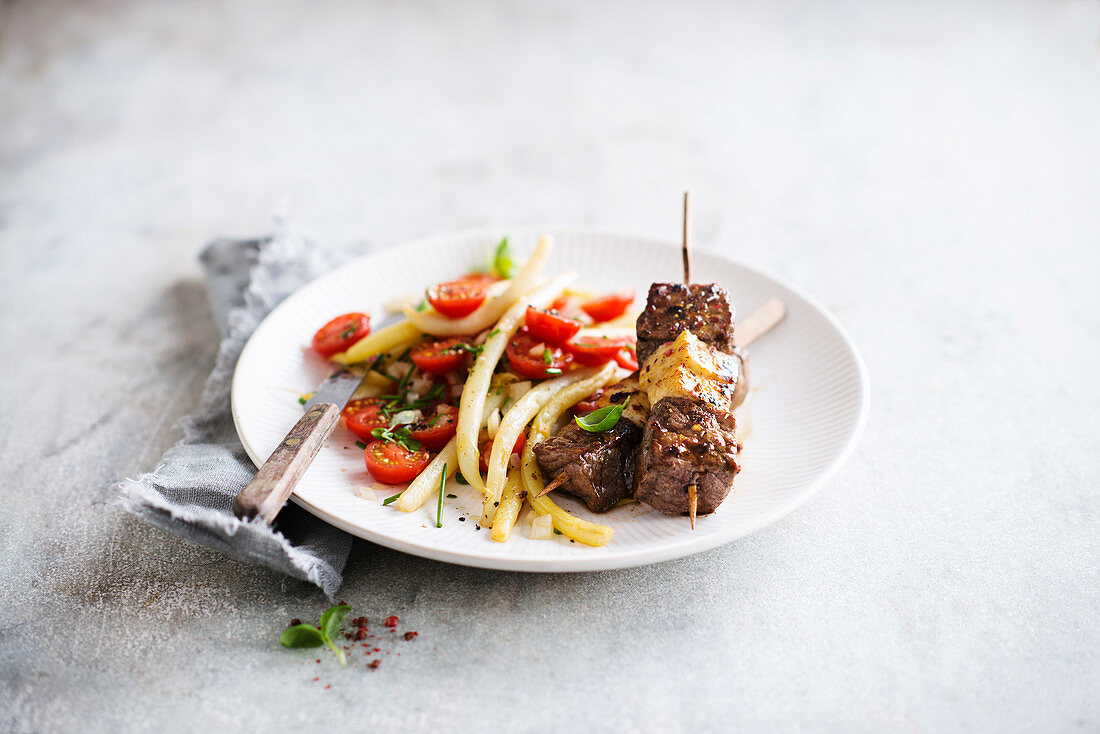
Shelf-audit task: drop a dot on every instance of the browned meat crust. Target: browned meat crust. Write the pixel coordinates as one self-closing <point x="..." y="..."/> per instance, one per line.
<point x="600" y="466"/>
<point x="686" y="442"/>
<point x="702" y="309"/>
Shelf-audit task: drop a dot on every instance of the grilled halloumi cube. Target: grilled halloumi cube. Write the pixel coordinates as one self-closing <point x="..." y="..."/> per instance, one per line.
<point x="690" y="368"/>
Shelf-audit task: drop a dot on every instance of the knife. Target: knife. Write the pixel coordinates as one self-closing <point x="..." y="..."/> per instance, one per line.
<point x="269" y="490"/>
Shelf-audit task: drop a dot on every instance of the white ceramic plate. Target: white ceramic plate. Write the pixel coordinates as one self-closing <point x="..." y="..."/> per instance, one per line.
<point x="807" y="409"/>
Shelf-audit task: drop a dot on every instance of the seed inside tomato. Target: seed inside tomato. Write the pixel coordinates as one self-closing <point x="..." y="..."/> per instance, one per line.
<point x="550" y="325"/>
<point x="535" y="359"/>
<point x="363" y="415"/>
<point x="440" y="357"/>
<point x="392" y="463"/>
<point x="341" y="333"/>
<point x="458" y="298"/>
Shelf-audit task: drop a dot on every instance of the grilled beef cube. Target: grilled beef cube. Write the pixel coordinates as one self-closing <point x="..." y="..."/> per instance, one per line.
<point x="600" y="466"/>
<point x="686" y="442"/>
<point x="702" y="309"/>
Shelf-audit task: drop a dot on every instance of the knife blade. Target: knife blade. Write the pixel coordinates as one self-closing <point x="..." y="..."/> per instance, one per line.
<point x="269" y="490"/>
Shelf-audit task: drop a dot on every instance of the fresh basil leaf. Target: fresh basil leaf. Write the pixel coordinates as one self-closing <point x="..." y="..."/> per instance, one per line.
<point x="503" y="265"/>
<point x="603" y="419"/>
<point x="301" y="635"/>
<point x="410" y="444"/>
<point x="331" y="621"/>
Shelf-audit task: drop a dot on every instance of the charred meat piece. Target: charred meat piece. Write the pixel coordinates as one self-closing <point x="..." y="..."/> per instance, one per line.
<point x="702" y="309"/>
<point x="599" y="466"/>
<point x="686" y="442"/>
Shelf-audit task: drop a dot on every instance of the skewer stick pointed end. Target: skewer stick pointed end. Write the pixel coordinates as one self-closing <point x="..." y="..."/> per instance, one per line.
<point x="686" y="242"/>
<point x="554" y="484"/>
<point x="693" y="504"/>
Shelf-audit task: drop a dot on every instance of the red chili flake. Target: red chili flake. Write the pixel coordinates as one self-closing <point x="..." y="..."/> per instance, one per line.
<point x="343" y="603"/>
<point x="377" y="649"/>
<point x="295" y="622"/>
<point x="328" y="686"/>
<point x="316" y="679"/>
<point x="318" y="659"/>
<point x="409" y="636"/>
<point x="373" y="665"/>
<point x="391" y="621"/>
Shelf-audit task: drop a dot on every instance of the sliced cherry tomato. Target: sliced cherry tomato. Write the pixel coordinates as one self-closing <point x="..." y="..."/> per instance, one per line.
<point x="392" y="463"/>
<point x="485" y="448"/>
<point x="550" y="325"/>
<point x="434" y="432"/>
<point x="594" y="350"/>
<point x="457" y="298"/>
<point x="627" y="358"/>
<point x="588" y="404"/>
<point x="363" y="415"/>
<point x="440" y="357"/>
<point x="559" y="303"/>
<point x="608" y="307"/>
<point x="535" y="359"/>
<point x="479" y="278"/>
<point x="340" y="333"/>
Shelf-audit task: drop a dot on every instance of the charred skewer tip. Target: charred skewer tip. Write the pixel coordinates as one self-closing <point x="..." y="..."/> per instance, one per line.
<point x="554" y="484"/>
<point x="686" y="242"/>
<point x="693" y="504"/>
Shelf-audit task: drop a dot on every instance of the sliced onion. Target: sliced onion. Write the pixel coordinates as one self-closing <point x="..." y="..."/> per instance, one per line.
<point x="542" y="528"/>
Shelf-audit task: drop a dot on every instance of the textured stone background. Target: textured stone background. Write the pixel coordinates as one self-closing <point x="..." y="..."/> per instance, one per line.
<point x="929" y="171"/>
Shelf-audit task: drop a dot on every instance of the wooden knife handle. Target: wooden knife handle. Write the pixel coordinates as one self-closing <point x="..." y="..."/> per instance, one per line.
<point x="269" y="490"/>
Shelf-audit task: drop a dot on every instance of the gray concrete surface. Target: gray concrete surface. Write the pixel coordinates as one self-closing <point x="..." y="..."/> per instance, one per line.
<point x="929" y="171"/>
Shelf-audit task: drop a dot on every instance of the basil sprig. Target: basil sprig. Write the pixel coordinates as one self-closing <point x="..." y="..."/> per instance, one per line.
<point x="325" y="633"/>
<point x="503" y="265"/>
<point x="603" y="419"/>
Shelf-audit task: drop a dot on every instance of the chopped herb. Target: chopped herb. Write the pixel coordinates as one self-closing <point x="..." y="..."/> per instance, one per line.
<point x="360" y="444"/>
<point x="603" y="419"/>
<point x="557" y="532"/>
<point x="438" y="417"/>
<point x="553" y="371"/>
<point x="325" y="633"/>
<point x="439" y="507"/>
<point x="474" y="349"/>
<point x="500" y="390"/>
<point x="348" y="332"/>
<point x="452" y="496"/>
<point x="493" y="333"/>
<point x="302" y="400"/>
<point x="502" y="260"/>
<point x="392" y="498"/>
<point x="400" y="435"/>
<point x="547" y="356"/>
<point x="422" y="306"/>
<point x="405" y="356"/>
<point x="460" y="479"/>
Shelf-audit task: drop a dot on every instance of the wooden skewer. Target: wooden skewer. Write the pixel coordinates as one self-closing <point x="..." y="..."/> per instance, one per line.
<point x="693" y="504"/>
<point x="557" y="482"/>
<point x="693" y="497"/>
<point x="760" y="322"/>
<point x="686" y="242"/>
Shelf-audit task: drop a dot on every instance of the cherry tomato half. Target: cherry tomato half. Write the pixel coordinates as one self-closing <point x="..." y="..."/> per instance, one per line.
<point x="457" y="298"/>
<point x="627" y="358"/>
<point x="588" y="404"/>
<point x="608" y="307"/>
<point x="595" y="350"/>
<point x="550" y="325"/>
<point x="434" y="432"/>
<point x="440" y="357"/>
<point x="392" y="463"/>
<point x="535" y="359"/>
<point x="340" y="333"/>
<point x="485" y="449"/>
<point x="363" y="415"/>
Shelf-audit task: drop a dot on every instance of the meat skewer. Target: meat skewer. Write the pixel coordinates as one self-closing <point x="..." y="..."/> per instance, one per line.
<point x="693" y="497"/>
<point x="603" y="468"/>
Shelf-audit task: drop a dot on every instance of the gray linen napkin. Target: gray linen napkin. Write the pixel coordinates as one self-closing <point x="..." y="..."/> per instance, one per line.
<point x="191" y="491"/>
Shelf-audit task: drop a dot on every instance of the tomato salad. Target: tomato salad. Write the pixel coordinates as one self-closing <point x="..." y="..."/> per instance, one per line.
<point x="479" y="360"/>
